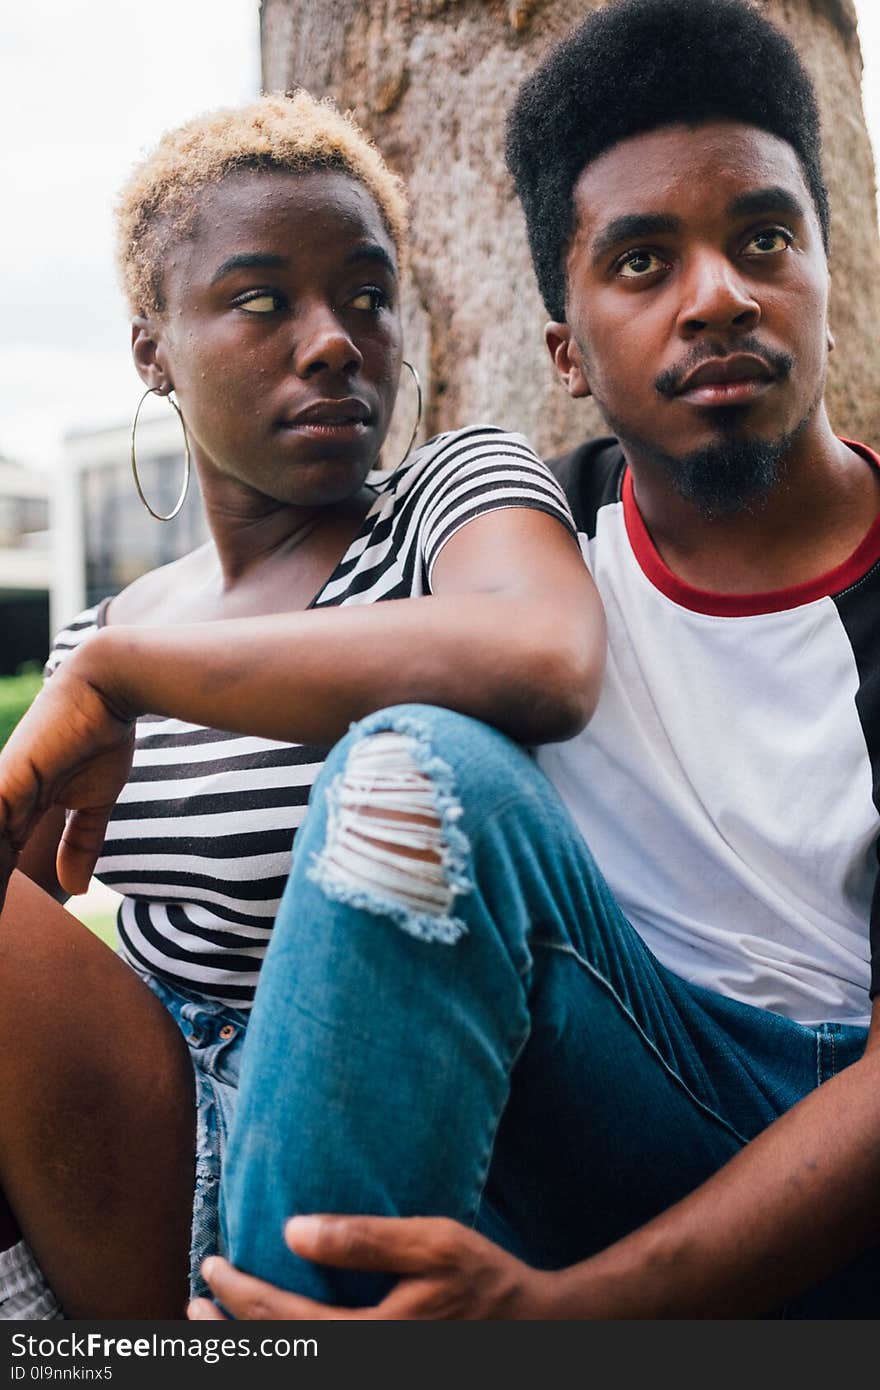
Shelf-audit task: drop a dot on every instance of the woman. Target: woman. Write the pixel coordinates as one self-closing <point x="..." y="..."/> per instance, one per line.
<point x="260" y="252"/>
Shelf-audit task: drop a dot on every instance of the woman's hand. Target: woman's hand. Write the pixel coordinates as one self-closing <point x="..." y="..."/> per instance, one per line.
<point x="448" y="1272"/>
<point x="73" y="748"/>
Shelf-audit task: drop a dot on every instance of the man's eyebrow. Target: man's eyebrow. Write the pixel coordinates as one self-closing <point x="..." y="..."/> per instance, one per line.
<point x="248" y="260"/>
<point x="371" y="251"/>
<point x="632" y="226"/>
<point x="766" y="200"/>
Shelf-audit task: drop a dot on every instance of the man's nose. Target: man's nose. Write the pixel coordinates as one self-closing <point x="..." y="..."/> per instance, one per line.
<point x="715" y="296"/>
<point x="323" y="343"/>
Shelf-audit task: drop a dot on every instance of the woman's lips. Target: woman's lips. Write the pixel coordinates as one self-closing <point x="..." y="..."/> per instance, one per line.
<point x="340" y="420"/>
<point x="327" y="429"/>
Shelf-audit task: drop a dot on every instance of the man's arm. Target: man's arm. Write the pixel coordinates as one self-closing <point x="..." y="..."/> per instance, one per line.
<point x="795" y="1205"/>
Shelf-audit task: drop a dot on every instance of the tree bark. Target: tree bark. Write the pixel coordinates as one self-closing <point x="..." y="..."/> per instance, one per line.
<point x="431" y="81"/>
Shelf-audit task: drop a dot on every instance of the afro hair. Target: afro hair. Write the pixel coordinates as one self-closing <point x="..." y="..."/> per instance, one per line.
<point x="635" y="65"/>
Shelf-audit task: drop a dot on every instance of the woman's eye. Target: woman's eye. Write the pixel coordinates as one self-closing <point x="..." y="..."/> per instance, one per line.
<point x="770" y="240"/>
<point x="635" y="264"/>
<point x="259" y="303"/>
<point x="371" y="299"/>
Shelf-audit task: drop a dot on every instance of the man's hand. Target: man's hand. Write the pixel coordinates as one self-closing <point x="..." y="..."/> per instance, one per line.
<point x="73" y="749"/>
<point x="448" y="1272"/>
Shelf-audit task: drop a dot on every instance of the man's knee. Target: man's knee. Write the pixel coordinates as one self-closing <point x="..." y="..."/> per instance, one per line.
<point x="406" y="794"/>
<point x="393" y="844"/>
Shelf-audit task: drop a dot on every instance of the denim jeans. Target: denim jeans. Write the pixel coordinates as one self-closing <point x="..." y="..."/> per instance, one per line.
<point x="503" y="1050"/>
<point x="214" y="1034"/>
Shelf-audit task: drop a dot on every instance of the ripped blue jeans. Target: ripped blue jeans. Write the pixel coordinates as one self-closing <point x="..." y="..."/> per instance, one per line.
<point x="455" y="1018"/>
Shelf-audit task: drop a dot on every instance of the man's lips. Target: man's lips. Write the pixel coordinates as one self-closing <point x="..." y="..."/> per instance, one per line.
<point x="733" y="380"/>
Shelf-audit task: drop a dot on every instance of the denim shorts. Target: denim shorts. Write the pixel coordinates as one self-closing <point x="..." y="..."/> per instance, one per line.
<point x="214" y="1034"/>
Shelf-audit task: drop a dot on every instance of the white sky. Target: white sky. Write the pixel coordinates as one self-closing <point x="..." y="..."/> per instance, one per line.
<point x="85" y="89"/>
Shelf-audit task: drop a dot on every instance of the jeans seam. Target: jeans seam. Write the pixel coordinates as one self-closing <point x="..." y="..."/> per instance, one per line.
<point x="818" y="1057"/>
<point x="487" y="1162"/>
<point x="564" y="948"/>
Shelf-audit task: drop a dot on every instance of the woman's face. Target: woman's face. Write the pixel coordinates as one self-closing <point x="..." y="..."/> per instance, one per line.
<point x="281" y="333"/>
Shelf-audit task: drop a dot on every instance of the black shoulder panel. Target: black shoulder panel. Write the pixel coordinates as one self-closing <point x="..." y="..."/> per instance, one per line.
<point x="859" y="609"/>
<point x="591" y="476"/>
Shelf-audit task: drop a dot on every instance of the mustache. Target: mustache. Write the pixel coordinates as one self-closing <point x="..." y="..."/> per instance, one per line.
<point x="669" y="383"/>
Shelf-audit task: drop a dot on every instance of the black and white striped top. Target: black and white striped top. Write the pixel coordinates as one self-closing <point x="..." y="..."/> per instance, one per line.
<point x="199" y="843"/>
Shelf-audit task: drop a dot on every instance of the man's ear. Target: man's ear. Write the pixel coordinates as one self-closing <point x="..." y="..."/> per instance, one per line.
<point x="149" y="355"/>
<point x="567" y="358"/>
<point x="829" y="336"/>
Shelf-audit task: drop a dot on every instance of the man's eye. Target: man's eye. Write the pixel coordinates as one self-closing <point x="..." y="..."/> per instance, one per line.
<point x="765" y="243"/>
<point x="259" y="303"/>
<point x="635" y="264"/>
<point x="371" y="299"/>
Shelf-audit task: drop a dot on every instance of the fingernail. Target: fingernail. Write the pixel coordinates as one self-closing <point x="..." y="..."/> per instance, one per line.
<point x="198" y="1309"/>
<point x="306" y="1227"/>
<point x="208" y="1266"/>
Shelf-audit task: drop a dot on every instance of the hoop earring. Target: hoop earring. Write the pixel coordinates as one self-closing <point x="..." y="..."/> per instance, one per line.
<point x="415" y="377"/>
<point x="187" y="466"/>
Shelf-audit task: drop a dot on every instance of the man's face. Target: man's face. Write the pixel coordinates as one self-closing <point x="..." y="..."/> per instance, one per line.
<point x="697" y="305"/>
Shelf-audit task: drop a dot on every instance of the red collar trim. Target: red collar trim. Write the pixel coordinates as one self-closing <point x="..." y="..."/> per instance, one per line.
<point x="862" y="559"/>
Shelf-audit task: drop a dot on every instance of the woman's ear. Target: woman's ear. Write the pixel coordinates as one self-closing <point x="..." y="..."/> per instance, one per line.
<point x="567" y="358"/>
<point x="148" y="354"/>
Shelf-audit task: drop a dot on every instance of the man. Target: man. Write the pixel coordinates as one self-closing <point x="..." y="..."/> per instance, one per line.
<point x="685" y="1118"/>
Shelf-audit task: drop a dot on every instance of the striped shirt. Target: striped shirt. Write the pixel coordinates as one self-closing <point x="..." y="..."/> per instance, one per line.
<point x="199" y="843"/>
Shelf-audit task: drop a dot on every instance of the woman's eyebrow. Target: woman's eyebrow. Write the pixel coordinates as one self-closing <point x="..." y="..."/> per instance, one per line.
<point x="249" y="260"/>
<point x="371" y="251"/>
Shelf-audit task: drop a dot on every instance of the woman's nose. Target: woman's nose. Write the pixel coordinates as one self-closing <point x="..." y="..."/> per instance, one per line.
<point x="324" y="344"/>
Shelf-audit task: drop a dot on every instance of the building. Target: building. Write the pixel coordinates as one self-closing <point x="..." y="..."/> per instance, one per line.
<point x="26" y="566"/>
<point x="103" y="535"/>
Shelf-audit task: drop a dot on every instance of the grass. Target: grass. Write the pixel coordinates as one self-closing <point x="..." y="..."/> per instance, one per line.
<point x="97" y="911"/>
<point x="103" y="924"/>
<point x="16" y="693"/>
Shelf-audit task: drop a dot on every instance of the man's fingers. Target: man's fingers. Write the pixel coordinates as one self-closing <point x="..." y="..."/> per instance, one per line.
<point x="397" y="1245"/>
<point x="203" y="1310"/>
<point x="253" y="1300"/>
<point x="80" y="845"/>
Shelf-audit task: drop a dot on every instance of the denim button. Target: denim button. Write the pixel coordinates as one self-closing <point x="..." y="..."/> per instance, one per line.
<point x="227" y="1031"/>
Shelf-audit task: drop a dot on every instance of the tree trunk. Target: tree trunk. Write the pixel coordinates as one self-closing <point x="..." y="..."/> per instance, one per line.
<point x="431" y="81"/>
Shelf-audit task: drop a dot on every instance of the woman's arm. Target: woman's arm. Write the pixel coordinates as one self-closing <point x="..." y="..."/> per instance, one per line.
<point x="38" y="857"/>
<point x="514" y="635"/>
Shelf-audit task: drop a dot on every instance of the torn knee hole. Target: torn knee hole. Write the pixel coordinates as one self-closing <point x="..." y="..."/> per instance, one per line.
<point x="387" y="838"/>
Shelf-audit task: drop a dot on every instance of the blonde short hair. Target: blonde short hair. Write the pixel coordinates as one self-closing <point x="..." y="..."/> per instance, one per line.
<point x="292" y="133"/>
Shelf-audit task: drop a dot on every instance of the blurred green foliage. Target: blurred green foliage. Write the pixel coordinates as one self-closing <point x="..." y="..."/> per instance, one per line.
<point x="16" y="693"/>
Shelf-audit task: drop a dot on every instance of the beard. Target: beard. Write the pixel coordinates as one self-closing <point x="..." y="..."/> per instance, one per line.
<point x="736" y="472"/>
<point x="732" y="474"/>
